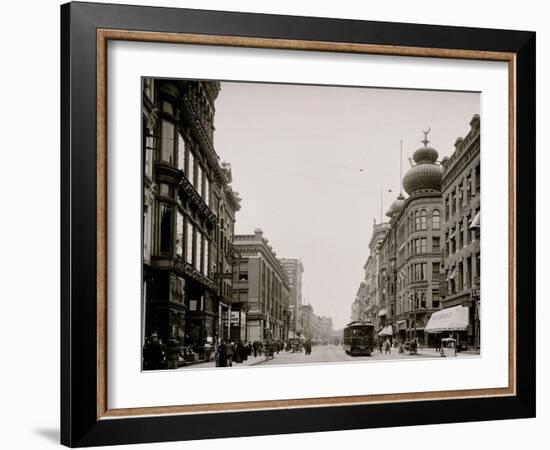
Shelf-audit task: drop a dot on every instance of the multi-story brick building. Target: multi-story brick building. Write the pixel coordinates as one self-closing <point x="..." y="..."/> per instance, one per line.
<point x="461" y="256"/>
<point x="260" y="283"/>
<point x="188" y="214"/>
<point x="294" y="270"/>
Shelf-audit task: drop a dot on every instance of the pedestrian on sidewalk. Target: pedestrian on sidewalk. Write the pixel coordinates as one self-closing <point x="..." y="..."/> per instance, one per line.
<point x="229" y="353"/>
<point x="173" y="354"/>
<point x="255" y="348"/>
<point x="221" y="357"/>
<point x="387" y="346"/>
<point x="153" y="356"/>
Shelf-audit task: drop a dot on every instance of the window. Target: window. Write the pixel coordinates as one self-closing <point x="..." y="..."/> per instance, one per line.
<point x="198" y="252"/>
<point x="423" y="268"/>
<point x="461" y="235"/>
<point x="165" y="228"/>
<point x="190" y="172"/>
<point x="179" y="233"/>
<point x="417" y="246"/>
<point x="467" y="188"/>
<point x="453" y="203"/>
<point x="469" y="276"/>
<point x="416" y="221"/>
<point x="447" y="208"/>
<point x="177" y="289"/>
<point x="423" y="247"/>
<point x="206" y="257"/>
<point x="435" y="303"/>
<point x="167" y="107"/>
<point x="145" y="230"/>
<point x="423" y="220"/>
<point x="435" y="271"/>
<point x="164" y="190"/>
<point x="189" y="243"/>
<point x="167" y="142"/>
<point x="243" y="276"/>
<point x="435" y="220"/>
<point x="478" y="179"/>
<point x="436" y="245"/>
<point x="181" y="153"/>
<point x="198" y="184"/>
<point x="206" y="191"/>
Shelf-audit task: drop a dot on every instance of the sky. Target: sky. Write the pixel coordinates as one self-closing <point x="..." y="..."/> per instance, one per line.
<point x="309" y="163"/>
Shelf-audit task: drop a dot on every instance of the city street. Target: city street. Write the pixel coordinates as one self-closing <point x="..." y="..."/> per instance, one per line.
<point x="334" y="353"/>
<point x="329" y="354"/>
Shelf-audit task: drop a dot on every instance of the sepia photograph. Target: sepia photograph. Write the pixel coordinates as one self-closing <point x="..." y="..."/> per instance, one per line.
<point x="303" y="224"/>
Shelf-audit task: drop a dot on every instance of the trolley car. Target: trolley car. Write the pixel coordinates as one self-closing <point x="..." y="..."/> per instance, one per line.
<point x="359" y="338"/>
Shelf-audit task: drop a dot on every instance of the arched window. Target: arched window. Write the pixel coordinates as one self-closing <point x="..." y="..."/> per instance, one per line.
<point x="436" y="224"/>
<point x="416" y="221"/>
<point x="423" y="220"/>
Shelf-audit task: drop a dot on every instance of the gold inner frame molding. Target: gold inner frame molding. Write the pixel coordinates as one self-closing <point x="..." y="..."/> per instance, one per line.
<point x="105" y="35"/>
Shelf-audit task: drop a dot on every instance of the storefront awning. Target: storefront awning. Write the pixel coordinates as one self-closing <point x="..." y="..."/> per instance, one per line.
<point x="449" y="319"/>
<point x="382" y="312"/>
<point x="386" y="331"/>
<point x="401" y="324"/>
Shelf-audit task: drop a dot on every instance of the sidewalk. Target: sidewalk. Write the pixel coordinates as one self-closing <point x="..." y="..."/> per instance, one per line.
<point x="251" y="361"/>
<point x="432" y="353"/>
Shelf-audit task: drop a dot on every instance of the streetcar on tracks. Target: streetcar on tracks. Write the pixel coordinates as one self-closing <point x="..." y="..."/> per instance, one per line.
<point x="359" y="338"/>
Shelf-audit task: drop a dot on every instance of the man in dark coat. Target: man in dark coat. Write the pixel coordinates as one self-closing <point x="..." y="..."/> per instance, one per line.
<point x="230" y="353"/>
<point x="221" y="357"/>
<point x="153" y="356"/>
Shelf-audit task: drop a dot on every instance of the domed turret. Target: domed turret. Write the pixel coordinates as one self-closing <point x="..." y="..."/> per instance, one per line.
<point x="426" y="175"/>
<point x="396" y="207"/>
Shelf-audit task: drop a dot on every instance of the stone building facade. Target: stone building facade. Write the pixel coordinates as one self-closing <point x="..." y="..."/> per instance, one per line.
<point x="188" y="214"/>
<point x="294" y="270"/>
<point x="461" y="261"/>
<point x="261" y="284"/>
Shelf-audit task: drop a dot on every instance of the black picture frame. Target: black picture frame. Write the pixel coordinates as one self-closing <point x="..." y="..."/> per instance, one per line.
<point x="80" y="425"/>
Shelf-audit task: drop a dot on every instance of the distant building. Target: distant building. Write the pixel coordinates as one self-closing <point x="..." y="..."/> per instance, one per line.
<point x="308" y="322"/>
<point x="294" y="270"/>
<point x="358" y="309"/>
<point x="461" y="256"/>
<point x="261" y="287"/>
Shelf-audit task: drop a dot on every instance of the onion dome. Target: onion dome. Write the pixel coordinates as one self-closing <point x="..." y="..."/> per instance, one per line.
<point x="425" y="175"/>
<point x="390" y="212"/>
<point x="397" y="206"/>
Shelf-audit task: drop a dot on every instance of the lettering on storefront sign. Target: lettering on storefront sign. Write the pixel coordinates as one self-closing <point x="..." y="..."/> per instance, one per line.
<point x="234" y="318"/>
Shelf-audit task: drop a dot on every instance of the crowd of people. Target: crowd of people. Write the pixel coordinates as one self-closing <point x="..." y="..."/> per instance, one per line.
<point x="158" y="355"/>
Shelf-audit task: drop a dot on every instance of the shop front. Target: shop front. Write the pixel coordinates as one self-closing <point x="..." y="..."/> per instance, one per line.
<point x="450" y="322"/>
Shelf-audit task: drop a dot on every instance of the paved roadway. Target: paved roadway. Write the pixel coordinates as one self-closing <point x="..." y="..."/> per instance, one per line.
<point x="326" y="354"/>
<point x="333" y="353"/>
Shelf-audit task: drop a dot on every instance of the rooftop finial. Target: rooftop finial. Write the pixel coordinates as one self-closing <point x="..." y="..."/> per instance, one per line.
<point x="425" y="141"/>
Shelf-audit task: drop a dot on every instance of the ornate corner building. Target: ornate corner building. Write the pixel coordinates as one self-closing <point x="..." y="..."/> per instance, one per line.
<point x="189" y="212"/>
<point x="426" y="258"/>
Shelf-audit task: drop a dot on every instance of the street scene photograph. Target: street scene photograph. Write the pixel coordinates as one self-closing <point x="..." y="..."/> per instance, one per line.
<point x="303" y="224"/>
